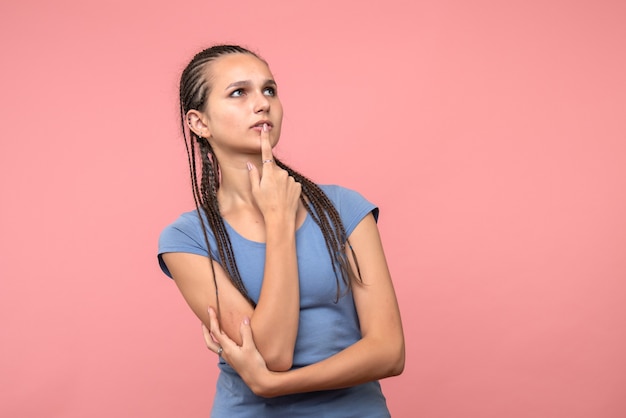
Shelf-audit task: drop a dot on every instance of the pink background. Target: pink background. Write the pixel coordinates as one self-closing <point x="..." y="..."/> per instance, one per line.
<point x="491" y="133"/>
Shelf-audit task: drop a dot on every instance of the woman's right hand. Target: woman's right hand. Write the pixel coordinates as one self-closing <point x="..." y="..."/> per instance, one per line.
<point x="275" y="192"/>
<point x="245" y="359"/>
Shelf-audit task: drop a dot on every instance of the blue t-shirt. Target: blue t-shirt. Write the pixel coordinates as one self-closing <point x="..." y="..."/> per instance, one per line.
<point x="326" y="325"/>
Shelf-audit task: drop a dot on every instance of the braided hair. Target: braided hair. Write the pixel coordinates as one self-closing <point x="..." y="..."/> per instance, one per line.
<point x="194" y="91"/>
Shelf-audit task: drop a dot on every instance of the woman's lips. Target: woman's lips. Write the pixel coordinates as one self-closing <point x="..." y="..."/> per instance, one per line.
<point x="259" y="126"/>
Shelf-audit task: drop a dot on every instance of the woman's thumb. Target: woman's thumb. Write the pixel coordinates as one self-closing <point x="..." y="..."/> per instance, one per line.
<point x="246" y="332"/>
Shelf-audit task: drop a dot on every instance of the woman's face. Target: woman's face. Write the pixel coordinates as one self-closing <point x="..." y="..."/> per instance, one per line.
<point x="243" y="96"/>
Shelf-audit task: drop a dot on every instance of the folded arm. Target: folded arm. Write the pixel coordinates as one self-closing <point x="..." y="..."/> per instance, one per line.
<point x="278" y="301"/>
<point x="378" y="354"/>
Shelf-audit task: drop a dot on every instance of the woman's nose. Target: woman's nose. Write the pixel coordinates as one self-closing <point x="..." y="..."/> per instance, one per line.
<point x="262" y="104"/>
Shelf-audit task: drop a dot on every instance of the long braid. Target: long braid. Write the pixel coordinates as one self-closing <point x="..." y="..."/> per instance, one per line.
<point x="194" y="90"/>
<point x="209" y="188"/>
<point x="325" y="215"/>
<point x="191" y="157"/>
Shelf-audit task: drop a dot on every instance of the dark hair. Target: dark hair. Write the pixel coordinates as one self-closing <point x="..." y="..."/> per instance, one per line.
<point x="194" y="91"/>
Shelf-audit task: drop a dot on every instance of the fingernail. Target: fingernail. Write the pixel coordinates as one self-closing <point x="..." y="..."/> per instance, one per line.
<point x="246" y="321"/>
<point x="249" y="166"/>
<point x="265" y="127"/>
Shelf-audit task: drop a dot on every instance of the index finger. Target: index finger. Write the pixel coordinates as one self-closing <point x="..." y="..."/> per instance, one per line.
<point x="266" y="146"/>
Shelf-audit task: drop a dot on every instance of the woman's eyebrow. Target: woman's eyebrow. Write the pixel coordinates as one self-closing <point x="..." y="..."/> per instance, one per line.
<point x="243" y="83"/>
<point x="246" y="83"/>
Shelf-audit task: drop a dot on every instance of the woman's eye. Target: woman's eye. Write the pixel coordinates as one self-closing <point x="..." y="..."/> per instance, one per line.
<point x="237" y="93"/>
<point x="269" y="91"/>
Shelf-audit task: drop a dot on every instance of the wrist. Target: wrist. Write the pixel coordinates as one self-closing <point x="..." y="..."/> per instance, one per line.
<point x="279" y="219"/>
<point x="280" y="227"/>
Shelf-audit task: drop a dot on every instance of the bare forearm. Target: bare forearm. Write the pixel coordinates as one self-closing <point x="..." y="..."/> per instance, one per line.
<point x="275" y="319"/>
<point x="379" y="353"/>
<point x="365" y="361"/>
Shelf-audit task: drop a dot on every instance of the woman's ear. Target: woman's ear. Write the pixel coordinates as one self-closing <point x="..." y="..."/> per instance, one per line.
<point x="197" y="124"/>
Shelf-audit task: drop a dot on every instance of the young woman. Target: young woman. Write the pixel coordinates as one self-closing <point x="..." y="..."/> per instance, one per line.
<point x="289" y="278"/>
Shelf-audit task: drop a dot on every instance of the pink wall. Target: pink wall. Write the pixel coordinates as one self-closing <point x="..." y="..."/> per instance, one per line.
<point x="492" y="134"/>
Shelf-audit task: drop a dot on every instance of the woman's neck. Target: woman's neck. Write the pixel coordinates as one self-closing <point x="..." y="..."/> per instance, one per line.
<point x="235" y="188"/>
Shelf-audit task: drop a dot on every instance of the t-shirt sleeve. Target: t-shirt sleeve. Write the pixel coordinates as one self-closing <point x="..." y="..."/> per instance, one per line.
<point x="351" y="205"/>
<point x="182" y="236"/>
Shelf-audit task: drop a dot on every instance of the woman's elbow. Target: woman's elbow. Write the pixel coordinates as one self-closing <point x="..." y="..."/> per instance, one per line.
<point x="398" y="366"/>
<point x="280" y="362"/>
<point x="396" y="363"/>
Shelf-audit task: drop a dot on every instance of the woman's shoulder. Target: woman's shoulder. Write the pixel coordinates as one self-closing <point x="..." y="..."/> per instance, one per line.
<point x="186" y="228"/>
<point x="351" y="204"/>
<point x="183" y="235"/>
<point x="185" y="220"/>
<point x="341" y="196"/>
<point x="337" y="193"/>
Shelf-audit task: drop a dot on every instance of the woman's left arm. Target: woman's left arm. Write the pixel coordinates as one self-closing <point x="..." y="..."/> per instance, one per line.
<point x="378" y="354"/>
